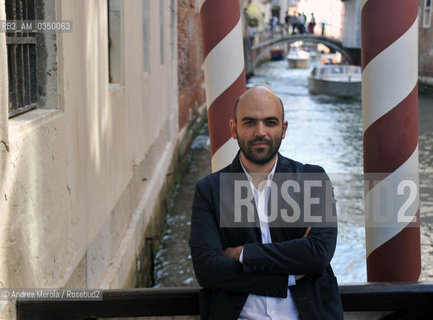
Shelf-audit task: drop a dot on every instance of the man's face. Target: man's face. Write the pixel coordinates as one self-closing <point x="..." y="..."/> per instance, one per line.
<point x="259" y="128"/>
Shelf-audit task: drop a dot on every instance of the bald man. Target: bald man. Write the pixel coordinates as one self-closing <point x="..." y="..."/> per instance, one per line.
<point x="251" y="263"/>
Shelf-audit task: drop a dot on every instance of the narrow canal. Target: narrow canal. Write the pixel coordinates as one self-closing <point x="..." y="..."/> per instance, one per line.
<point x="322" y="130"/>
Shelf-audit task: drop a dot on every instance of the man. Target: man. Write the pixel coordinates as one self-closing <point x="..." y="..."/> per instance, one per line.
<point x="261" y="271"/>
<point x="312" y="24"/>
<point x="287" y="22"/>
<point x="301" y="25"/>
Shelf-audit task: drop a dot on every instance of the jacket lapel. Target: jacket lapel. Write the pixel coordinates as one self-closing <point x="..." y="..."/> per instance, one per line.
<point x="284" y="165"/>
<point x="252" y="235"/>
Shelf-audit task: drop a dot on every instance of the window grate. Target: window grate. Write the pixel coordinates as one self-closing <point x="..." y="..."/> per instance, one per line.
<point x="22" y="59"/>
<point x="427" y="14"/>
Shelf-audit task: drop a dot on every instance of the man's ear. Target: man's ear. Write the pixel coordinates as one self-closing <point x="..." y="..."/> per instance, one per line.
<point x="285" y="125"/>
<point x="232" y="125"/>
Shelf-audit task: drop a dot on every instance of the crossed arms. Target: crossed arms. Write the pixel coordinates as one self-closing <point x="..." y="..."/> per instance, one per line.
<point x="265" y="267"/>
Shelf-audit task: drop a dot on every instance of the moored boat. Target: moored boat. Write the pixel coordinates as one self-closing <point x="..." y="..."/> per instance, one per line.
<point x="298" y="58"/>
<point x="336" y="80"/>
<point x="277" y="54"/>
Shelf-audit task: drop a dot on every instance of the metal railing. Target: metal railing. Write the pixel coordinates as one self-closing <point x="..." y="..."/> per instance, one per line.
<point x="404" y="298"/>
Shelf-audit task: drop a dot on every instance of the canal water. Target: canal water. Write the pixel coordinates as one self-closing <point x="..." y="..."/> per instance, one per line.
<point x="322" y="130"/>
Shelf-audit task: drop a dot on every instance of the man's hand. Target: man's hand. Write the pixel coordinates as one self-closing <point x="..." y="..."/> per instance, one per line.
<point x="233" y="252"/>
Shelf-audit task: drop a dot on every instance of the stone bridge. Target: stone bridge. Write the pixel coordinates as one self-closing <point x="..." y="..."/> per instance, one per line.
<point x="260" y="50"/>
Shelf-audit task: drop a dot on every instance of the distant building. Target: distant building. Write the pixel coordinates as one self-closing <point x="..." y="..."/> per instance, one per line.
<point x="425" y="45"/>
<point x="352" y="24"/>
<point x="352" y="35"/>
<point x="190" y="60"/>
<point x="277" y="8"/>
<point x="329" y="13"/>
<point x="352" y="29"/>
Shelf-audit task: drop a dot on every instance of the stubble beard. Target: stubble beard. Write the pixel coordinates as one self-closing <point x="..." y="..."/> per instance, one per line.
<point x="260" y="156"/>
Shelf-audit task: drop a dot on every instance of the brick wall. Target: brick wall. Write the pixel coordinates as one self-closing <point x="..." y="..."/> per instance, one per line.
<point x="190" y="60"/>
<point x="425" y="56"/>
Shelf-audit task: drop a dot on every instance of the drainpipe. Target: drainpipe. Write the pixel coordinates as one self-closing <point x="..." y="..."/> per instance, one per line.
<point x="224" y="73"/>
<point x="390" y="134"/>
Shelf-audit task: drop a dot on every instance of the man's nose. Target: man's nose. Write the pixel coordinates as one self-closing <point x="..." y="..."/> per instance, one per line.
<point x="260" y="129"/>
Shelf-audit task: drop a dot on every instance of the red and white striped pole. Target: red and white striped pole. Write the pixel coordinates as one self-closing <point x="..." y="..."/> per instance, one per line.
<point x="390" y="124"/>
<point x="224" y="73"/>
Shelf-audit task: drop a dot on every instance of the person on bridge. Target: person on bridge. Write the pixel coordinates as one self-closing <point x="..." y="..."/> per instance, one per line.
<point x="261" y="270"/>
<point x="295" y="22"/>
<point x="274" y="23"/>
<point x="301" y="23"/>
<point x="287" y="22"/>
<point x="312" y="24"/>
<point x="252" y="34"/>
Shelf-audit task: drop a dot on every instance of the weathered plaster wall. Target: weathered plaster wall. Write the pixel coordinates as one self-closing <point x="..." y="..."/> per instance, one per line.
<point x="4" y="147"/>
<point x="80" y="179"/>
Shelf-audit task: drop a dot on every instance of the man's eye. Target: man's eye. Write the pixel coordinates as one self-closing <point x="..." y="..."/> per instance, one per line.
<point x="271" y="123"/>
<point x="249" y="123"/>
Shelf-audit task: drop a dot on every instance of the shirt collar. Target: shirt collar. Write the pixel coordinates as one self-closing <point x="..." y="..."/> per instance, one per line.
<point x="270" y="175"/>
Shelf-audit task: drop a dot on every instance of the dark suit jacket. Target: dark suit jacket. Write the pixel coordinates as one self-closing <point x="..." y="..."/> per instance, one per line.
<point x="265" y="268"/>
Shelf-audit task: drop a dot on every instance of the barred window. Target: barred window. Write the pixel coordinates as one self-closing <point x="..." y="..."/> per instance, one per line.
<point x="21" y="48"/>
<point x="427" y="14"/>
<point x="32" y="58"/>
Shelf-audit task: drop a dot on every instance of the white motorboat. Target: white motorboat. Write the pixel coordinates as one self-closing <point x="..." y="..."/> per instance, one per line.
<point x="336" y="80"/>
<point x="298" y="58"/>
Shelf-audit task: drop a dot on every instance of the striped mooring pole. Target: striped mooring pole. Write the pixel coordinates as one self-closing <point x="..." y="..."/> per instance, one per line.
<point x="224" y="73"/>
<point x="390" y="135"/>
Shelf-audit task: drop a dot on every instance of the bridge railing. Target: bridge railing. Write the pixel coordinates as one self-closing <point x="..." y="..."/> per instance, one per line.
<point x="260" y="51"/>
<point x="406" y="299"/>
<point x="295" y="37"/>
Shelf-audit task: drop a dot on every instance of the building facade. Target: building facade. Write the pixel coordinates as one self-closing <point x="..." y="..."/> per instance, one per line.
<point x="351" y="39"/>
<point x="90" y="129"/>
<point x="352" y="24"/>
<point x="190" y="57"/>
<point x="425" y="45"/>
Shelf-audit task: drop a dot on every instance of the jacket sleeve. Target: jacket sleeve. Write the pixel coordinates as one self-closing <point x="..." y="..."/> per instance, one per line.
<point x="304" y="255"/>
<point x="211" y="268"/>
<point x="309" y="255"/>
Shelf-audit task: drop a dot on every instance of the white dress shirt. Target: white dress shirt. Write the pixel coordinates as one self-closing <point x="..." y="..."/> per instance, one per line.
<point x="261" y="307"/>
